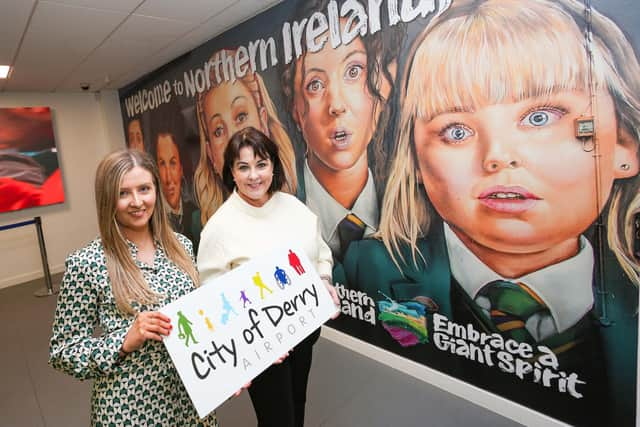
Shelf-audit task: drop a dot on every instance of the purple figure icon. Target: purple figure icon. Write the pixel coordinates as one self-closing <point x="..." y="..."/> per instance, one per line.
<point x="244" y="299"/>
<point x="294" y="261"/>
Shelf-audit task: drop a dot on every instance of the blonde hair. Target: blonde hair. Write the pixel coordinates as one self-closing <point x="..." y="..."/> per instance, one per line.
<point x="127" y="281"/>
<point x="480" y="53"/>
<point x="209" y="189"/>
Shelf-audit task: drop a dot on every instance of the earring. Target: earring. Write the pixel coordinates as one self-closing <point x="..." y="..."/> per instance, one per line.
<point x="587" y="145"/>
<point x="625" y="166"/>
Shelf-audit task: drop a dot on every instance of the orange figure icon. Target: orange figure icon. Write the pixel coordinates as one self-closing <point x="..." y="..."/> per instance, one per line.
<point x="206" y="320"/>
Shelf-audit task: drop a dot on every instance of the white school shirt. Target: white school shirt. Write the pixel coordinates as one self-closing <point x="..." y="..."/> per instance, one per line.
<point x="565" y="287"/>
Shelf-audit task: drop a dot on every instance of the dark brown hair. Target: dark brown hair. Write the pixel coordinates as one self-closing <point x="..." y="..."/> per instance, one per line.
<point x="262" y="146"/>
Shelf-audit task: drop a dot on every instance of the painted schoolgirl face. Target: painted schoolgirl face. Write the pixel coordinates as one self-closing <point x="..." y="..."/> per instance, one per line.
<point x="512" y="177"/>
<point x="229" y="108"/>
<point x="170" y="169"/>
<point x="253" y="176"/>
<point x="332" y="105"/>
<point x="136" y="200"/>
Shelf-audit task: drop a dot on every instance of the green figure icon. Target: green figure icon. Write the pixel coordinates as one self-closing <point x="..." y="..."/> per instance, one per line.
<point x="257" y="280"/>
<point x="184" y="329"/>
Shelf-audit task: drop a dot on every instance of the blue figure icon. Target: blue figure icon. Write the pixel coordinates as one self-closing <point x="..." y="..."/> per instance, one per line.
<point x="227" y="309"/>
<point x="282" y="278"/>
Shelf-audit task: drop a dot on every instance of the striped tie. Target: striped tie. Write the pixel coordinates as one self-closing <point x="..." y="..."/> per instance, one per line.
<point x="516" y="311"/>
<point x="349" y="229"/>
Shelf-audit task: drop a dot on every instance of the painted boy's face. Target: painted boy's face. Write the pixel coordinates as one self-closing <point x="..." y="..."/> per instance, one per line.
<point x="134" y="135"/>
<point x="229" y="108"/>
<point x="512" y="177"/>
<point x="333" y="106"/>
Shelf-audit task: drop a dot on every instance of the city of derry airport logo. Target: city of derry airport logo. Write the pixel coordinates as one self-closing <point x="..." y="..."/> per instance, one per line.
<point x="236" y="325"/>
<point x="280" y="277"/>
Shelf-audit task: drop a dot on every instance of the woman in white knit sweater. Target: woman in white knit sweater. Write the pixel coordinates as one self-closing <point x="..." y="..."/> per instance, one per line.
<point x="256" y="219"/>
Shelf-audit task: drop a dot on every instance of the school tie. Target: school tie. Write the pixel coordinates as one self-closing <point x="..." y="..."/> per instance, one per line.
<point x="349" y="229"/>
<point x="516" y="311"/>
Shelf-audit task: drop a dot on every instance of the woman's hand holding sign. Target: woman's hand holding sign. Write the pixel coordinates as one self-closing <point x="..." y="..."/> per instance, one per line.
<point x="334" y="295"/>
<point x="147" y="325"/>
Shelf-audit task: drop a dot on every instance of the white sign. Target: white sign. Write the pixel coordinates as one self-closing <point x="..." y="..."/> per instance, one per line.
<point x="234" y="327"/>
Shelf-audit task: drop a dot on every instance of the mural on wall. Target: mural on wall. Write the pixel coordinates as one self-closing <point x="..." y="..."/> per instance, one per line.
<point x="473" y="230"/>
<point x="29" y="171"/>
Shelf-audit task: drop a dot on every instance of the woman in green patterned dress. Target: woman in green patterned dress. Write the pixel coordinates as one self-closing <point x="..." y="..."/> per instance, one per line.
<point x="117" y="283"/>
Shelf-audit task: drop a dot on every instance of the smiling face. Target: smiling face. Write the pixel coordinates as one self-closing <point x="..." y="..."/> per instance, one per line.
<point x="253" y="176"/>
<point x="333" y="107"/>
<point x="134" y="135"/>
<point x="170" y="169"/>
<point x="229" y="108"/>
<point x="136" y="200"/>
<point x="512" y="177"/>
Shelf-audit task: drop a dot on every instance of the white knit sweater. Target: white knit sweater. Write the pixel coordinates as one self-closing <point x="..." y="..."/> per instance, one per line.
<point x="239" y="231"/>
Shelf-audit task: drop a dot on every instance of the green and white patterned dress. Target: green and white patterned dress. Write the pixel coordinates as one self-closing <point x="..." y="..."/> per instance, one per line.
<point x="143" y="388"/>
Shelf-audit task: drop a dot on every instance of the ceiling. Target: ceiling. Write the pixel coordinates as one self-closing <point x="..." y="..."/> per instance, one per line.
<point x="60" y="45"/>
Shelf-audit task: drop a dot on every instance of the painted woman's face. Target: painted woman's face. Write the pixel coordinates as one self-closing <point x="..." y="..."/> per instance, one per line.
<point x="513" y="177"/>
<point x="229" y="108"/>
<point x="332" y="105"/>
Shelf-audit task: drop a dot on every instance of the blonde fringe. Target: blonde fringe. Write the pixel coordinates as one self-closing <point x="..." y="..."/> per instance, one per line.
<point x="208" y="187"/>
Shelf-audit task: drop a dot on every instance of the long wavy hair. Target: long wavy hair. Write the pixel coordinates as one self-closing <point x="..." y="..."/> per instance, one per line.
<point x="127" y="282"/>
<point x="491" y="36"/>
<point x="209" y="188"/>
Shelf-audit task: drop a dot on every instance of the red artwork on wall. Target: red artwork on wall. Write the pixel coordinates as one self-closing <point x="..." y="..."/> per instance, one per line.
<point x="29" y="170"/>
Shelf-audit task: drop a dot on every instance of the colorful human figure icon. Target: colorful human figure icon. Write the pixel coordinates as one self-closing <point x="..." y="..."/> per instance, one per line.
<point x="184" y="329"/>
<point x="206" y="320"/>
<point x="282" y="278"/>
<point x="227" y="309"/>
<point x="257" y="280"/>
<point x="244" y="299"/>
<point x="294" y="262"/>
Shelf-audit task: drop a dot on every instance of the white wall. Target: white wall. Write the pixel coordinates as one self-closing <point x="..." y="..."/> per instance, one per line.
<point x="86" y="126"/>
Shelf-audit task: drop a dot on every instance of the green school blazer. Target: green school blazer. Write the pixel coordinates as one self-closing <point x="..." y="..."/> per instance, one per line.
<point x="369" y="267"/>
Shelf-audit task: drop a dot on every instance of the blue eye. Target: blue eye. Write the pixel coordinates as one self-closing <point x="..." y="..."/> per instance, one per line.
<point x="242" y="117"/>
<point x="539" y="117"/>
<point x="218" y="131"/>
<point x="456" y="133"/>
